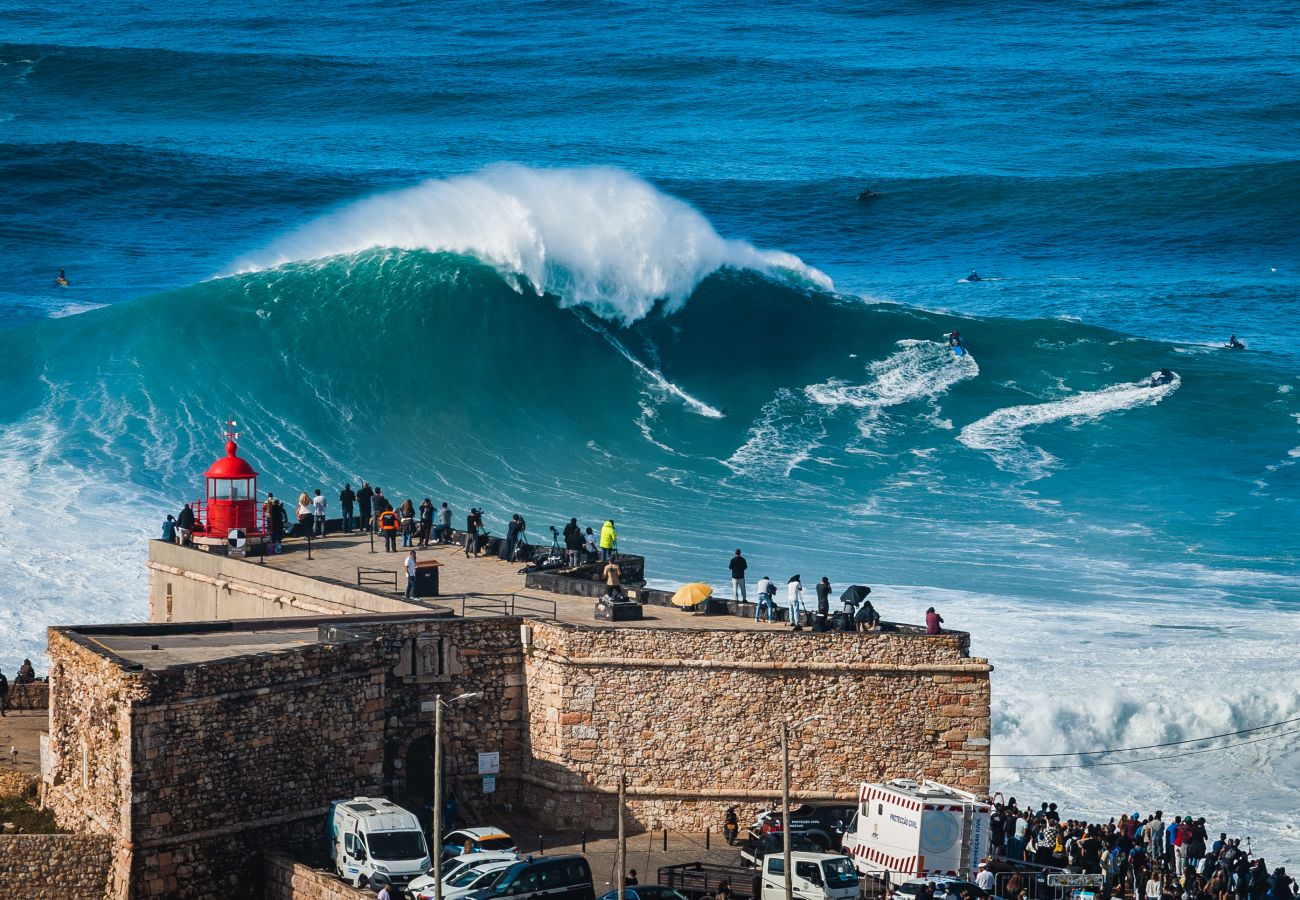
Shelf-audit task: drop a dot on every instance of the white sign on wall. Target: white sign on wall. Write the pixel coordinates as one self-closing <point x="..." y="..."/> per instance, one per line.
<point x="489" y="784"/>
<point x="489" y="763"/>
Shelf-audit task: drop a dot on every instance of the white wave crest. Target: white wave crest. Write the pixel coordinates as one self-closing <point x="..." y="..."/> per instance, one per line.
<point x="596" y="237"/>
<point x="1000" y="433"/>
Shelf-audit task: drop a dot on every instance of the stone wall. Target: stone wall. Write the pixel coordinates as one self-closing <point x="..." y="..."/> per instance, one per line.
<point x="195" y="769"/>
<point x="693" y="718"/>
<point x="286" y="879"/>
<point x="33" y="695"/>
<point x="55" y="866"/>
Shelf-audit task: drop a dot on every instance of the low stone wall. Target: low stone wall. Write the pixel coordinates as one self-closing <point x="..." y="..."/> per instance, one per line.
<point x="287" y="879"/>
<point x="33" y="695"/>
<point x="55" y="866"/>
<point x="588" y="580"/>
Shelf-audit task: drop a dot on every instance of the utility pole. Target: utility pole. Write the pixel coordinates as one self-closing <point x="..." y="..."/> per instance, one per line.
<point x="436" y="849"/>
<point x="785" y="808"/>
<point x="622" y="834"/>
<point x="437" y="797"/>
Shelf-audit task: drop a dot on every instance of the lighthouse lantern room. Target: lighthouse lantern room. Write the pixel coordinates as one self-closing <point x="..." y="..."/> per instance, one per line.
<point x="231" y="499"/>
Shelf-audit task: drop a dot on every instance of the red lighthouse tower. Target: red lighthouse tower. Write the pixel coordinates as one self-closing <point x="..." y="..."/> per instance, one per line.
<point x="231" y="499"/>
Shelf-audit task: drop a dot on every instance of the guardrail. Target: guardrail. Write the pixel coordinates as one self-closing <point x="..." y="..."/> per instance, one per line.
<point x="370" y="575"/>
<point x="507" y="605"/>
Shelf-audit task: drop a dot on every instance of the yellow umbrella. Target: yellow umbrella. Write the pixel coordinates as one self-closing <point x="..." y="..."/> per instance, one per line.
<point x="692" y="594"/>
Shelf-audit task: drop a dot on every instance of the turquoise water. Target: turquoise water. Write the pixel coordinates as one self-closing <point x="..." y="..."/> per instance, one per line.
<point x="610" y="261"/>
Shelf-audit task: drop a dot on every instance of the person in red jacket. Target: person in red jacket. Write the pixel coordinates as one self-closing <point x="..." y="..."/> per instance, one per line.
<point x="932" y="622"/>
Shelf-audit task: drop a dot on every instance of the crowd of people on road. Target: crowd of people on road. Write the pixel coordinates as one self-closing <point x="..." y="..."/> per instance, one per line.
<point x="856" y="613"/>
<point x="1144" y="857"/>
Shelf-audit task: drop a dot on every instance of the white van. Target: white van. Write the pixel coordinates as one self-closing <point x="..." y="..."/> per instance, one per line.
<point x="816" y="876"/>
<point x="374" y="841"/>
<point x="918" y="829"/>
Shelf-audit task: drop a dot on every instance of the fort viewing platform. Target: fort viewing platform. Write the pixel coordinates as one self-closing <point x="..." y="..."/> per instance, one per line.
<point x="263" y="688"/>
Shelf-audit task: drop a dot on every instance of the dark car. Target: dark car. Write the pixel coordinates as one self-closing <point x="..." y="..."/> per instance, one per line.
<point x="551" y="877"/>
<point x="757" y="846"/>
<point x="822" y="824"/>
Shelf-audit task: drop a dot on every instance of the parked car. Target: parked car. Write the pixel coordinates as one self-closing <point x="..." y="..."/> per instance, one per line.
<point x="823" y="824"/>
<point x="544" y="878"/>
<point x="912" y="888"/>
<point x="457" y="864"/>
<point x="468" y="880"/>
<point x="476" y="840"/>
<point x="647" y="892"/>
<point x="373" y="841"/>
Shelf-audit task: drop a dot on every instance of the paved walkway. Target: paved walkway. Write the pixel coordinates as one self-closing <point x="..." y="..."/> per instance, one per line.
<point x="21" y="731"/>
<point x="338" y="557"/>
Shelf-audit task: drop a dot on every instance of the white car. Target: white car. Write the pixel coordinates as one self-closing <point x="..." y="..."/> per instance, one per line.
<point x="476" y="840"/>
<point x="457" y="866"/>
<point x="470" y="878"/>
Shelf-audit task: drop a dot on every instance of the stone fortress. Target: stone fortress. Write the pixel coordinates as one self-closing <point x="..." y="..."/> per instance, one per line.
<point x="264" y="688"/>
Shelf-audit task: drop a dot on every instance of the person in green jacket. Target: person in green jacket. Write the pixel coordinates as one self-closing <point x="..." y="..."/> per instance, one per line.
<point x="608" y="540"/>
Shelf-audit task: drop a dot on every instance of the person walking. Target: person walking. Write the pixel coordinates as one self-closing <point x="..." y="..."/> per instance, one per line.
<point x="738" y="565"/>
<point x="185" y="526"/>
<point x="410" y="575"/>
<point x="765" y="590"/>
<point x="318" y="512"/>
<point x="365" y="500"/>
<point x="389" y="525"/>
<point x="823" y="603"/>
<point x="794" y="594"/>
<point x="307" y="527"/>
<point x="932" y="622"/>
<point x="426" y="521"/>
<point x="444" y="524"/>
<point x="347" y="499"/>
<point x="608" y="540"/>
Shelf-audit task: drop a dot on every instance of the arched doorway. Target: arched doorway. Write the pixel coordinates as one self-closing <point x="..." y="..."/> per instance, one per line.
<point x="418" y="792"/>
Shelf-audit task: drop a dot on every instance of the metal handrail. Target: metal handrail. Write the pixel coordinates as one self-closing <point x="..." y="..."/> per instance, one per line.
<point x="371" y="575"/>
<point x="508" y="604"/>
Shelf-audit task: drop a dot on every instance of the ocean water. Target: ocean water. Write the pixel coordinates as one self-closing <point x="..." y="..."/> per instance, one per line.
<point x="608" y="260"/>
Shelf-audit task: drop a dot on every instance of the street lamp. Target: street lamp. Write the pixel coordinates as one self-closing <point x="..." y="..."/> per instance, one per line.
<point x="438" y="705"/>
<point x="786" y="728"/>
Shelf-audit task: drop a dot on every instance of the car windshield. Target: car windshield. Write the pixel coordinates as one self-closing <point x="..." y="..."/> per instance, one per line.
<point x="496" y="843"/>
<point x="840" y="873"/>
<point x="397" y="845"/>
<point x="487" y="879"/>
<point x="464" y="877"/>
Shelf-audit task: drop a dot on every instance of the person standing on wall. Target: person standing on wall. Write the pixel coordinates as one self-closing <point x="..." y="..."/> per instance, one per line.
<point x="766" y="591"/>
<point x="347" y="497"/>
<point x="318" y="512"/>
<point x="738" y="565"/>
<point x="365" y="496"/>
<point x="614" y="580"/>
<point x="608" y="540"/>
<point x="306" y="515"/>
<point x="410" y="575"/>
<point x="823" y="603"/>
<point x="794" y="593"/>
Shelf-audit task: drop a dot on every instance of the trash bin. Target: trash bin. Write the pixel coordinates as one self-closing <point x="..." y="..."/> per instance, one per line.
<point x="426" y="578"/>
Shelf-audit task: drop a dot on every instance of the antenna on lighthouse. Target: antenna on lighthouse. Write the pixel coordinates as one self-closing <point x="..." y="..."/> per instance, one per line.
<point x="231" y="433"/>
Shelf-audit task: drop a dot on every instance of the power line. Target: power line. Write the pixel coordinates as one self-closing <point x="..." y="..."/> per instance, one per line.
<point x="1212" y="737"/>
<point x="1131" y="762"/>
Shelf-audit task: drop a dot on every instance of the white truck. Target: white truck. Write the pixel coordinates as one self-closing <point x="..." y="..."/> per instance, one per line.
<point x="907" y="829"/>
<point x="373" y="841"/>
<point x="814" y="876"/>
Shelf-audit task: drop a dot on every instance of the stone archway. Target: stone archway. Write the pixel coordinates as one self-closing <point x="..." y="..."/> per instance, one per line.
<point x="418" y="768"/>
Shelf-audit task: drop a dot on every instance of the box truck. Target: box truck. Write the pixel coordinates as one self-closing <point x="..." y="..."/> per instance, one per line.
<point x="909" y="829"/>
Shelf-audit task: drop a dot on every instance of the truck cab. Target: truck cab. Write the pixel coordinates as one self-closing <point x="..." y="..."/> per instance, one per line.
<point x="814" y="876"/>
<point x="373" y="841"/>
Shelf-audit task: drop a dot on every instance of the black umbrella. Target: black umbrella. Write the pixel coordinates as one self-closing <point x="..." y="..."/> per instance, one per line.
<point x="855" y="594"/>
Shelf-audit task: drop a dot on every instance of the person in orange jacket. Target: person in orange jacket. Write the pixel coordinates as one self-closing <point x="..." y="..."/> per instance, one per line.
<point x="389" y="524"/>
